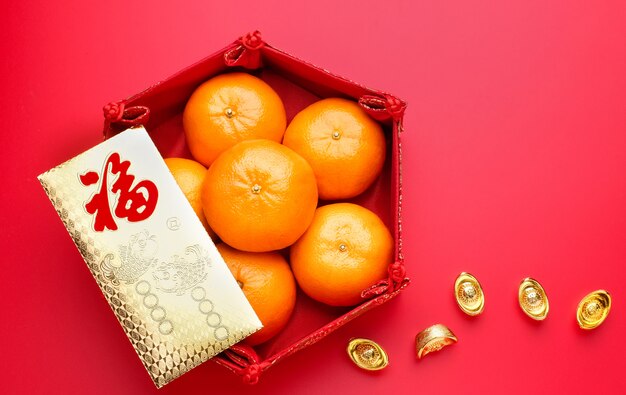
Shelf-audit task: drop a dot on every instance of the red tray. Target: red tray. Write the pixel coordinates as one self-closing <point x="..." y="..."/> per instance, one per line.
<point x="160" y="107"/>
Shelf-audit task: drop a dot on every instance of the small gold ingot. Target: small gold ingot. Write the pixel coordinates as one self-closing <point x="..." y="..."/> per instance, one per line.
<point x="256" y="188"/>
<point x="433" y="339"/>
<point x="593" y="309"/>
<point x="533" y="299"/>
<point x="336" y="135"/>
<point x="367" y="355"/>
<point x="229" y="112"/>
<point x="469" y="294"/>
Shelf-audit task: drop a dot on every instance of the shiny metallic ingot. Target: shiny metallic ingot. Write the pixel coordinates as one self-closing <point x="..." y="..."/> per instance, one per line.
<point x="593" y="309"/>
<point x="469" y="294"/>
<point x="367" y="355"/>
<point x="433" y="339"/>
<point x="533" y="299"/>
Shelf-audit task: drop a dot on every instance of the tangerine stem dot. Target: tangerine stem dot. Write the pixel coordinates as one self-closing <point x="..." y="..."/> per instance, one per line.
<point x="342" y="247"/>
<point x="256" y="189"/>
<point x="229" y="112"/>
<point x="336" y="135"/>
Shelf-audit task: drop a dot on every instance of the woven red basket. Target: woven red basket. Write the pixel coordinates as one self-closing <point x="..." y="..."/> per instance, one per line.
<point x="159" y="108"/>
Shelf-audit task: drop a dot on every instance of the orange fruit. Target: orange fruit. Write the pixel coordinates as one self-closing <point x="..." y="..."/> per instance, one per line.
<point x="228" y="109"/>
<point x="345" y="147"/>
<point x="268" y="284"/>
<point x="189" y="176"/>
<point x="346" y="249"/>
<point x="259" y="196"/>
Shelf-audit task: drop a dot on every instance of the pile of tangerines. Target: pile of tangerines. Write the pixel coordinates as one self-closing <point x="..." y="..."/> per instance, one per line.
<point x="260" y="193"/>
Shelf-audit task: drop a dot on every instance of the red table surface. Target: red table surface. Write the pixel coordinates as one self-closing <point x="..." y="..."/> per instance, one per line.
<point x="515" y="166"/>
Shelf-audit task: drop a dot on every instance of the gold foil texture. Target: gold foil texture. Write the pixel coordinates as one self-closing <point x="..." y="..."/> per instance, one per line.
<point x="151" y="257"/>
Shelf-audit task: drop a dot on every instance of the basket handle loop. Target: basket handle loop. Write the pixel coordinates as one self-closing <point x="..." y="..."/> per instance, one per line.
<point x="383" y="107"/>
<point x="119" y="117"/>
<point x="246" y="52"/>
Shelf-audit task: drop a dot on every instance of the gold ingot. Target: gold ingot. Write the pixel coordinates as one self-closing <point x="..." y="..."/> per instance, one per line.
<point x="433" y="339"/>
<point x="593" y="309"/>
<point x="533" y="299"/>
<point x="367" y="355"/>
<point x="469" y="294"/>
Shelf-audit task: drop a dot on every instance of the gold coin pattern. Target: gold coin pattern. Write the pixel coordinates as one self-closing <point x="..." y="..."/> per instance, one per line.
<point x="157" y="313"/>
<point x="213" y="319"/>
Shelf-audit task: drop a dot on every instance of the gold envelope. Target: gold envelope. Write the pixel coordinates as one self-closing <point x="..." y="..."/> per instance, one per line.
<point x="153" y="260"/>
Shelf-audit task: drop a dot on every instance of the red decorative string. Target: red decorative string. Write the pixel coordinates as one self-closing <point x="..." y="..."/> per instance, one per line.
<point x="244" y="361"/>
<point x="397" y="278"/>
<point x="247" y="54"/>
<point x="114" y="111"/>
<point x="397" y="273"/>
<point x="251" y="374"/>
<point x="383" y="107"/>
<point x="118" y="117"/>
<point x="252" y="40"/>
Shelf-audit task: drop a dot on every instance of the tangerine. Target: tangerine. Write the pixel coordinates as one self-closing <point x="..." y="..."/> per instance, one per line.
<point x="228" y="109"/>
<point x="345" y="147"/>
<point x="189" y="176"/>
<point x="259" y="196"/>
<point x="346" y="249"/>
<point x="267" y="283"/>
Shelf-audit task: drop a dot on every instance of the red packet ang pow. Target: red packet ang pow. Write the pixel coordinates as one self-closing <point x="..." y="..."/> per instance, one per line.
<point x="150" y="255"/>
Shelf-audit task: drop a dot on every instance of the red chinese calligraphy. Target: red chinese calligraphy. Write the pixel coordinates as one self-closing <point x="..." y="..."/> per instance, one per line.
<point x="133" y="203"/>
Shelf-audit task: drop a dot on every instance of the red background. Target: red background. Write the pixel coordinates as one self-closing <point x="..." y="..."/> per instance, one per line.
<point x="515" y="148"/>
